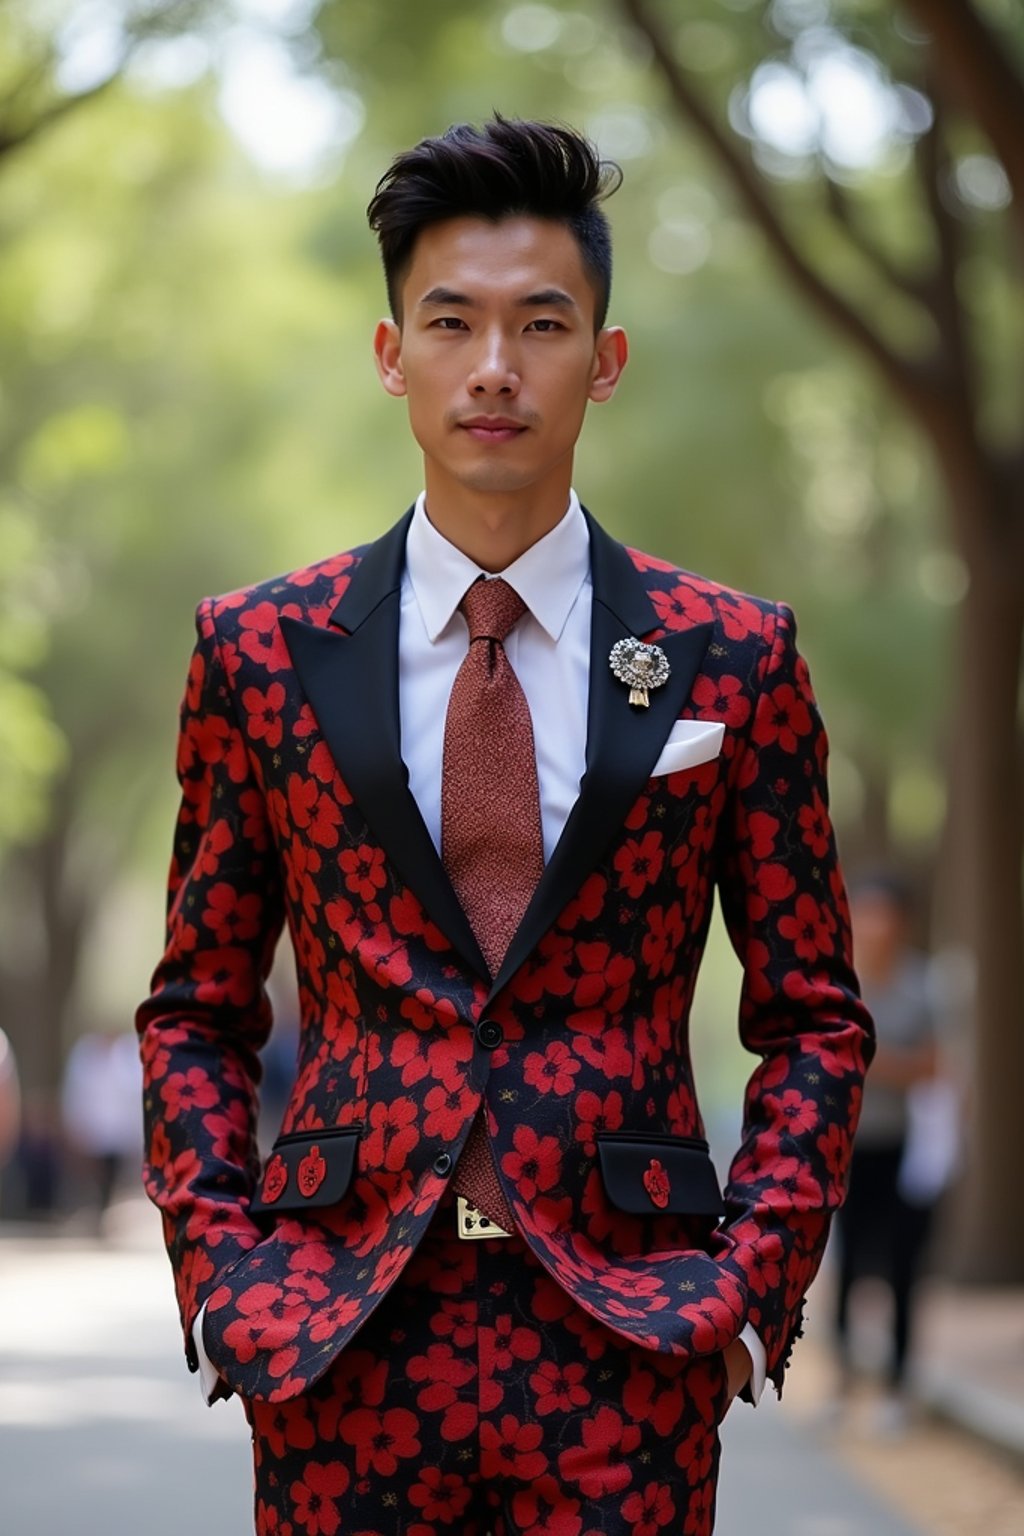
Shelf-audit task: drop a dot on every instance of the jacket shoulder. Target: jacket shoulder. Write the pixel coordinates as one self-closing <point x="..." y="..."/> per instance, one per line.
<point x="309" y="593"/>
<point x="682" y="598"/>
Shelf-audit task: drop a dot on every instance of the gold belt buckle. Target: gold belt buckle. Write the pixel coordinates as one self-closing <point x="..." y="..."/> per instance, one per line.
<point x="473" y="1224"/>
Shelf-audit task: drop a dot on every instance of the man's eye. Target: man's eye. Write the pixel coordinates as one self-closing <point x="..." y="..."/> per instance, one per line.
<point x="544" y="325"/>
<point x="450" y="323"/>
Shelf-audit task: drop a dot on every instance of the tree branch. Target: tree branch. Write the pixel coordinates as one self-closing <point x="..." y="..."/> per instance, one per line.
<point x="908" y="379"/>
<point x="13" y="138"/>
<point x="842" y="211"/>
<point x="979" y="70"/>
<point x="161" y="18"/>
<point x="946" y="306"/>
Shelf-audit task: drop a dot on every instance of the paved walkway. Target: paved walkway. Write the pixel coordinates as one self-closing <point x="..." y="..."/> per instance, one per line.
<point x="779" y="1480"/>
<point x="956" y="1468"/>
<point x="972" y="1361"/>
<point x="102" y="1431"/>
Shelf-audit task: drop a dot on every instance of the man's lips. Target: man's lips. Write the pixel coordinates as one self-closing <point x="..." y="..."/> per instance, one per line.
<point x="492" y="429"/>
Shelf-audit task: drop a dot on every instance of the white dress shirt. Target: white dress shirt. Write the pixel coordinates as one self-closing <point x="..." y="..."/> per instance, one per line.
<point x="549" y="650"/>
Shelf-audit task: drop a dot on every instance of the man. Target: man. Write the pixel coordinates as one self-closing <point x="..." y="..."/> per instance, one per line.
<point x="10" y="1102"/>
<point x="899" y="1166"/>
<point x="489" y="769"/>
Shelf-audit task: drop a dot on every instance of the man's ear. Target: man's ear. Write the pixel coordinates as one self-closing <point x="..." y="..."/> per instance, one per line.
<point x="611" y="352"/>
<point x="387" y="352"/>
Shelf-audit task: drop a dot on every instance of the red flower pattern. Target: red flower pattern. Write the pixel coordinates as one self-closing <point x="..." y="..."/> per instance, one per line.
<point x="554" y="1071"/>
<point x="656" y="1183"/>
<point x="639" y="863"/>
<point x="316" y="1511"/>
<point x="269" y="833"/>
<point x="275" y="1179"/>
<point x="363" y="869"/>
<point x="784" y="719"/>
<point x="381" y="1438"/>
<point x="600" y="1463"/>
<point x="312" y="1171"/>
<point x="650" y="1510"/>
<point x="264" y="712"/>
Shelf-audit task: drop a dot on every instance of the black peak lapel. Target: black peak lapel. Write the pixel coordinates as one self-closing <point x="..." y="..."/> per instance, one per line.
<point x="617" y="583"/>
<point x="623" y="742"/>
<point x="377" y="576"/>
<point x="351" y="682"/>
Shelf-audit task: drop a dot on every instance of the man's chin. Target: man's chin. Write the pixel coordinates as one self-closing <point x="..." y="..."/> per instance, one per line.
<point x="497" y="480"/>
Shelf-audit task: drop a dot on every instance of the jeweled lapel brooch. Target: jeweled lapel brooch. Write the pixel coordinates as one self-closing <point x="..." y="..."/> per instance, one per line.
<point x="641" y="666"/>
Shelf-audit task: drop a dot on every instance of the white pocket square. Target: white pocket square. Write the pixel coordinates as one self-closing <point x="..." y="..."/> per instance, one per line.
<point x="689" y="743"/>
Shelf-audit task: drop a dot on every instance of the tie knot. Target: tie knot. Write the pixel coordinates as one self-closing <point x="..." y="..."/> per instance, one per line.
<point x="491" y="609"/>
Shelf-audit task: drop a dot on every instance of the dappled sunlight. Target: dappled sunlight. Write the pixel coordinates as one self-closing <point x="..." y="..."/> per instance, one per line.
<point x="817" y="260"/>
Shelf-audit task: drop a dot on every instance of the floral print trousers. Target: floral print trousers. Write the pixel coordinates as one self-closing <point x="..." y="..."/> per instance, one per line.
<point x="479" y="1400"/>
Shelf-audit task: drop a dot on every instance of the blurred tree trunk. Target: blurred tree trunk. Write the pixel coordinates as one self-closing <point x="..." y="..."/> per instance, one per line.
<point x="991" y="1239"/>
<point x="968" y="78"/>
<point x="42" y="938"/>
<point x="45" y="940"/>
<point x="875" y="831"/>
<point x="52" y="890"/>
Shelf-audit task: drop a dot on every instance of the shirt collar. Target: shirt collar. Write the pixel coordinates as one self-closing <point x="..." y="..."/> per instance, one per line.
<point x="548" y="576"/>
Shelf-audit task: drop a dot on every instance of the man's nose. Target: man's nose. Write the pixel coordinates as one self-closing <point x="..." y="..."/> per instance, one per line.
<point x="494" y="370"/>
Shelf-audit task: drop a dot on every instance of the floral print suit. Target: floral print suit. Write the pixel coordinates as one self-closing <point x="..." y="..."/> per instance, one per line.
<point x="295" y="811"/>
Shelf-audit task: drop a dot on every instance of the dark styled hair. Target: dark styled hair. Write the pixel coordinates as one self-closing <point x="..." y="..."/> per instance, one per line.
<point x="506" y="168"/>
<point x="890" y="886"/>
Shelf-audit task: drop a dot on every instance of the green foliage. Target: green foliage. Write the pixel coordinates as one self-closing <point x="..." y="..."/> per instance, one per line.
<point x="189" y="401"/>
<point x="31" y="745"/>
<point x="743" y="442"/>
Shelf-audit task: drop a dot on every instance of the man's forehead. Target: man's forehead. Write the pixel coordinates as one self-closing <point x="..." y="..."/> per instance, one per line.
<point x="511" y="259"/>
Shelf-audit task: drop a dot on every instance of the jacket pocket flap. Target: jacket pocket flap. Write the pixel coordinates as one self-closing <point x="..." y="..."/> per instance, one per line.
<point x="659" y="1175"/>
<point x="307" y="1169"/>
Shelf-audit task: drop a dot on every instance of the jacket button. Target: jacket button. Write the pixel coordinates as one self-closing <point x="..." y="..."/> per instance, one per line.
<point x="490" y="1034"/>
<point x="443" y="1164"/>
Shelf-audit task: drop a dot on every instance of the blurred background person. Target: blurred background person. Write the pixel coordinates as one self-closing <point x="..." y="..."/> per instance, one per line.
<point x="10" y="1104"/>
<point x="100" y="1113"/>
<point x="905" y="1148"/>
<point x="185" y="260"/>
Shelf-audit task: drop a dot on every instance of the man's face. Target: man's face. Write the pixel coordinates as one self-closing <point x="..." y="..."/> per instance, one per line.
<point x="880" y="930"/>
<point x="497" y="355"/>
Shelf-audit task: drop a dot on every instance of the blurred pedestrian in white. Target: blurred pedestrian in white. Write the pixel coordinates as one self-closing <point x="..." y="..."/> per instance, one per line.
<point x="100" y="1109"/>
<point x="906" y="1145"/>
<point x="10" y="1103"/>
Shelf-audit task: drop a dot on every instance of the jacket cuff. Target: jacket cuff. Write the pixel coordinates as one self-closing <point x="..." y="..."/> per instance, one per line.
<point x="751" y="1341"/>
<point x="214" y="1387"/>
<point x="780" y="1364"/>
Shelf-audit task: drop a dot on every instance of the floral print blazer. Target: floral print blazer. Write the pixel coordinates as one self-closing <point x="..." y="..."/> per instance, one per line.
<point x="295" y="810"/>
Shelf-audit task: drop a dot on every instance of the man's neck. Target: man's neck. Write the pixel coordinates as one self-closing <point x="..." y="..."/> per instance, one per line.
<point x="494" y="530"/>
<point x="879" y="970"/>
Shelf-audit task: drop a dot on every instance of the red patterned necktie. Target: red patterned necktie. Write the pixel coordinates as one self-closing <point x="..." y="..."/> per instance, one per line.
<point x="491" y="839"/>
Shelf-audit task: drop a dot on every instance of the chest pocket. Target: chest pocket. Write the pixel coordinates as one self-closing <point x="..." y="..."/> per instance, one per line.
<point x="690" y="743"/>
<point x="658" y="1175"/>
<point x="307" y="1170"/>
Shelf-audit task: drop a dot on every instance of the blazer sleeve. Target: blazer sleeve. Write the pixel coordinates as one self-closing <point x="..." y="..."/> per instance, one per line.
<point x="208" y="1014"/>
<point x="786" y="911"/>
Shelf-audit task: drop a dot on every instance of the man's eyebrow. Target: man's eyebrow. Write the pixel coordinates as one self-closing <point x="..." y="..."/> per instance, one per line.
<point x="545" y="298"/>
<point x="548" y="298"/>
<point x="447" y="297"/>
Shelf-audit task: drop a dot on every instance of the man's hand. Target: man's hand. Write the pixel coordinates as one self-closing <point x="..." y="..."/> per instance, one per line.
<point x="738" y="1367"/>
